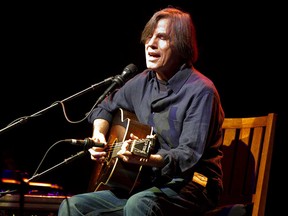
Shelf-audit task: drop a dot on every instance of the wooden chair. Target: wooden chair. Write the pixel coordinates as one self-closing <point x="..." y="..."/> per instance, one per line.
<point x="247" y="148"/>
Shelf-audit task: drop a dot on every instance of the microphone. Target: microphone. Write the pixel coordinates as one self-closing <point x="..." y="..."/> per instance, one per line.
<point x="86" y="143"/>
<point x="127" y="73"/>
<point x="119" y="80"/>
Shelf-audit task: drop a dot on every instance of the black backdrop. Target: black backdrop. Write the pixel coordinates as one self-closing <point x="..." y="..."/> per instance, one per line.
<point x="50" y="52"/>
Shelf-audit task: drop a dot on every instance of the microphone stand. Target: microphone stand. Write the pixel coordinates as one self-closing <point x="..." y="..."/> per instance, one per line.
<point x="114" y="80"/>
<point x="66" y="161"/>
<point x="24" y="119"/>
<point x="23" y="184"/>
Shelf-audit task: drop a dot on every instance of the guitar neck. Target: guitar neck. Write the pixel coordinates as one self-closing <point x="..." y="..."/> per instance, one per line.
<point x="141" y="147"/>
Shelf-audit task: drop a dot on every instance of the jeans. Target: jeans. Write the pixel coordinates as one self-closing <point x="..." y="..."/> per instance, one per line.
<point x="94" y="203"/>
<point x="152" y="202"/>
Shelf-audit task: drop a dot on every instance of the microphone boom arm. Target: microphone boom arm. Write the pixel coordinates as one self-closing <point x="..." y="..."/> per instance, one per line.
<point x="25" y="118"/>
<point x="119" y="80"/>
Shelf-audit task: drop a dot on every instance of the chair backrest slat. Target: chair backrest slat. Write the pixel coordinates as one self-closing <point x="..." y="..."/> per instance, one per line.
<point x="247" y="148"/>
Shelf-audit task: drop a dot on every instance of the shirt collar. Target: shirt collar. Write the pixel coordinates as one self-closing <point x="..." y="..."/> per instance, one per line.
<point x="177" y="81"/>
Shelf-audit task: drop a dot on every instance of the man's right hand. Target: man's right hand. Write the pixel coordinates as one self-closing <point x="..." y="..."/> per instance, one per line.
<point x="98" y="153"/>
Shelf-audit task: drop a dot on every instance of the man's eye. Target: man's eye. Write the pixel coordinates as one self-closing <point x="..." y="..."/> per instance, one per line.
<point x="163" y="37"/>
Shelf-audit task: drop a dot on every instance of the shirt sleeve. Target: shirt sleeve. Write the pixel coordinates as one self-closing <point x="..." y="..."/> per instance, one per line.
<point x="192" y="141"/>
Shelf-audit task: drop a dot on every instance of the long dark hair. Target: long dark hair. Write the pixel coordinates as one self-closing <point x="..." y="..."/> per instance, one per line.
<point x="183" y="32"/>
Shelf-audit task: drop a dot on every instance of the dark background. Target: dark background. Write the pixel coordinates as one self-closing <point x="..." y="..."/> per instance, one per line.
<point x="50" y="52"/>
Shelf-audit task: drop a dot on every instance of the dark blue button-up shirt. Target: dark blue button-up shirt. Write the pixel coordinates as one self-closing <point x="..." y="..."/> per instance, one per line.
<point x="186" y="115"/>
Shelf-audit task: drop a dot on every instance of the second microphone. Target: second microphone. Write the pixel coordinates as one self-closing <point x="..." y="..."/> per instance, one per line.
<point x="86" y="143"/>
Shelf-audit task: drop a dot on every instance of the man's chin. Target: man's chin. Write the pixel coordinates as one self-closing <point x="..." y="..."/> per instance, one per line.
<point x="151" y="66"/>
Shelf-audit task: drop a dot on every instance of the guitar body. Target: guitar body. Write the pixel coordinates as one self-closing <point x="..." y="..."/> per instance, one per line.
<point x="114" y="173"/>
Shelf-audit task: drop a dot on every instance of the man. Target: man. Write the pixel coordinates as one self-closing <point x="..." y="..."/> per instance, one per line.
<point x="183" y="108"/>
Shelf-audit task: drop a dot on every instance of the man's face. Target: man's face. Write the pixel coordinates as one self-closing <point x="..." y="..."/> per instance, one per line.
<point x="159" y="49"/>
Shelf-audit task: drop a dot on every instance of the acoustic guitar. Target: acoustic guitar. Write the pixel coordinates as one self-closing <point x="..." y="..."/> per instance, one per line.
<point x="114" y="173"/>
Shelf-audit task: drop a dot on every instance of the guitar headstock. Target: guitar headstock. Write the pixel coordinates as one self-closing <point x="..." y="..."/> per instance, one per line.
<point x="143" y="147"/>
